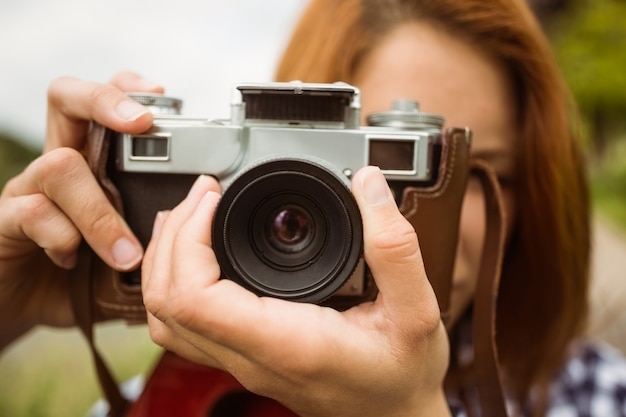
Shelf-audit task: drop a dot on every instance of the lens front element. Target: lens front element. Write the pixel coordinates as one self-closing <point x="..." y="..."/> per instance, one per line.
<point x="291" y="229"/>
<point x="287" y="230"/>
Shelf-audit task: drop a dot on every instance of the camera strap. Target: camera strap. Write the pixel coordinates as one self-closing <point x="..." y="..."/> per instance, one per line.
<point x="479" y="384"/>
<point x="489" y="381"/>
<point x="81" y="288"/>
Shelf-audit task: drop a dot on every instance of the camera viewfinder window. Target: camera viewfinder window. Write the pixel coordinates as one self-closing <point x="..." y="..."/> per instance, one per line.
<point x="150" y="147"/>
<point x="392" y="155"/>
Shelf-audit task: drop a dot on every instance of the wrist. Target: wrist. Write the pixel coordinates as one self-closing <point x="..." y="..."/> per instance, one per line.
<point x="435" y="405"/>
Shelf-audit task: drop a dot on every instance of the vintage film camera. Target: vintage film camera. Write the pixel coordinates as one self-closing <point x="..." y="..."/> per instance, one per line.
<point x="287" y="224"/>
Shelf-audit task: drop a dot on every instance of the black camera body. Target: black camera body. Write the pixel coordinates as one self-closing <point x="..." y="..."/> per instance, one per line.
<point x="287" y="225"/>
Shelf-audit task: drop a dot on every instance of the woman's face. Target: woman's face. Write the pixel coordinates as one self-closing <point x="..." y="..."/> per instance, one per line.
<point x="455" y="79"/>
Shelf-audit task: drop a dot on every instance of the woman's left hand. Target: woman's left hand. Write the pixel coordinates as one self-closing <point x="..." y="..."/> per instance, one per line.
<point x="56" y="202"/>
<point x="386" y="357"/>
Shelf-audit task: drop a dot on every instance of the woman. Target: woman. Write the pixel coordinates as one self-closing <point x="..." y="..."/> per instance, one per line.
<point x="481" y="64"/>
<point x="545" y="274"/>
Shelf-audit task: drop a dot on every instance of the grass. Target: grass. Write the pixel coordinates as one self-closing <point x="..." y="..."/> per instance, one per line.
<point x="50" y="373"/>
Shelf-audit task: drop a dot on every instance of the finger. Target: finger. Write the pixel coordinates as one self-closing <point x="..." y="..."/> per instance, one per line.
<point x="133" y="82"/>
<point x="194" y="270"/>
<point x="164" y="329"/>
<point x="63" y="177"/>
<point x="183" y="278"/>
<point x="37" y="221"/>
<point x="72" y="103"/>
<point x="165" y="332"/>
<point x="155" y="284"/>
<point x="148" y="257"/>
<point x="168" y="339"/>
<point x="392" y="251"/>
<point x="194" y="241"/>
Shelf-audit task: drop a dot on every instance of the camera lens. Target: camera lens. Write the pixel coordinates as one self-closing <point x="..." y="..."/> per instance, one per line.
<point x="291" y="228"/>
<point x="288" y="228"/>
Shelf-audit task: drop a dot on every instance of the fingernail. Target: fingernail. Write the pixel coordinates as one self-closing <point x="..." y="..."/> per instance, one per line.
<point x="198" y="185"/>
<point x="375" y="188"/>
<point x="130" y="110"/>
<point x="158" y="223"/>
<point x="126" y="254"/>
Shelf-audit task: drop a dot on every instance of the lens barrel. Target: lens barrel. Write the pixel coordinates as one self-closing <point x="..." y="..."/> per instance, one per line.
<point x="288" y="228"/>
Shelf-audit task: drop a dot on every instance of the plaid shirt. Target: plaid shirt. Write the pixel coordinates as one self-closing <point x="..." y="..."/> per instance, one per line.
<point x="591" y="384"/>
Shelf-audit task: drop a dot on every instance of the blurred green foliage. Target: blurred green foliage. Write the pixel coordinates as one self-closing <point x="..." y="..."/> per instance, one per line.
<point x="13" y="157"/>
<point x="590" y="43"/>
<point x="589" y="39"/>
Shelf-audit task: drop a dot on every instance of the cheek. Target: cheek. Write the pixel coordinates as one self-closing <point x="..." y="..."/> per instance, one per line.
<point x="469" y="249"/>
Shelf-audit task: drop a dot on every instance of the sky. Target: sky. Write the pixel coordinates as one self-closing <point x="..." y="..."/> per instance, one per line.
<point x="198" y="49"/>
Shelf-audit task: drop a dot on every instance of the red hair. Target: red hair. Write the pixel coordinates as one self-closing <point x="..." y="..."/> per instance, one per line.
<point x="543" y="298"/>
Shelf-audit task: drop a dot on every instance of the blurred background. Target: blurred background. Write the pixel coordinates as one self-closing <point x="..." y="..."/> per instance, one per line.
<point x="199" y="50"/>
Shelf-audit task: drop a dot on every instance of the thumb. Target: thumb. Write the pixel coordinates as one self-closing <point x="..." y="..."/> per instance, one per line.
<point x="391" y="249"/>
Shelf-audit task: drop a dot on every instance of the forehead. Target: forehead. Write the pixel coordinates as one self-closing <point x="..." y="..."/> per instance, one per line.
<point x="446" y="76"/>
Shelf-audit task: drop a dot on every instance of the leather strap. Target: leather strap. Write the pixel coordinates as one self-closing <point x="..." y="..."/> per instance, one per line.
<point x="81" y="297"/>
<point x="487" y="372"/>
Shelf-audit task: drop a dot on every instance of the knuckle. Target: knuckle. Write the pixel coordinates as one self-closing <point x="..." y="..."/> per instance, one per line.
<point x="59" y="162"/>
<point x="56" y="89"/>
<point x="182" y="310"/>
<point x="36" y="208"/>
<point x="416" y="344"/>
<point x="103" y="93"/>
<point x="157" y="332"/>
<point x="151" y="301"/>
<point x="153" y="304"/>
<point x="424" y="327"/>
<point x="430" y="318"/>
<point x="398" y="240"/>
<point x="37" y="211"/>
<point x="58" y="168"/>
<point x="103" y="221"/>
<point x="11" y="187"/>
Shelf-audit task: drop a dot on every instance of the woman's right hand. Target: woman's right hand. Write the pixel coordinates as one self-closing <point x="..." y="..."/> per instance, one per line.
<point x="55" y="202"/>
